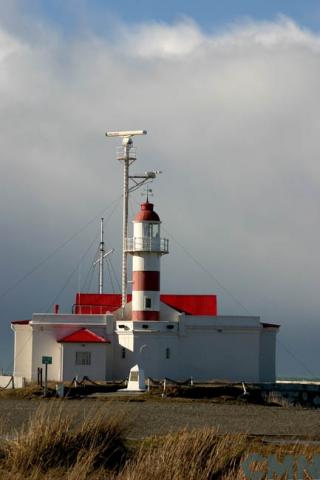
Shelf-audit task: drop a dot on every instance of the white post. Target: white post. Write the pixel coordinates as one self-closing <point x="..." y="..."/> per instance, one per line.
<point x="164" y="388"/>
<point x="46" y="380"/>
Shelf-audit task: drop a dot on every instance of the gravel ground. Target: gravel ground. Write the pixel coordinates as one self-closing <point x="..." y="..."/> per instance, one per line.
<point x="150" y="417"/>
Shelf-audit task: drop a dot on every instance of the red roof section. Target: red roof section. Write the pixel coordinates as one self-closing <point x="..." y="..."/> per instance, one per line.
<point x="83" y="336"/>
<point x="192" y="304"/>
<point x="94" y="303"/>
<point x="147" y="214"/>
<point x="20" y="322"/>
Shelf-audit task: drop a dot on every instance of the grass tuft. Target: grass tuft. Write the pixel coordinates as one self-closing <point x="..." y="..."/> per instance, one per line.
<point x="194" y="455"/>
<point x="54" y="440"/>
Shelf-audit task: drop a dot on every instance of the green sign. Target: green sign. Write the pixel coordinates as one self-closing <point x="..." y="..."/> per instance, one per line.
<point x="46" y="360"/>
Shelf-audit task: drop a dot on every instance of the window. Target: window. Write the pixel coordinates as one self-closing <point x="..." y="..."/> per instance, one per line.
<point x="147" y="229"/>
<point x="156" y="230"/>
<point x="167" y="353"/>
<point x="123" y="353"/>
<point x="83" y="358"/>
<point x="147" y="303"/>
<point x="152" y="230"/>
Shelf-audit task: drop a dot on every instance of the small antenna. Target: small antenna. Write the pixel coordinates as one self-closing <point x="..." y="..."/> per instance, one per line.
<point x="102" y="255"/>
<point x="148" y="192"/>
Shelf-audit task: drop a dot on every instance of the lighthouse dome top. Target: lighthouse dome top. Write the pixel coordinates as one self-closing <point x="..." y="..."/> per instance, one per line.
<point x="147" y="214"/>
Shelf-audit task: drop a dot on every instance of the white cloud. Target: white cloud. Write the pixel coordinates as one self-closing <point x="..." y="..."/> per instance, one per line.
<point x="233" y="122"/>
<point x="159" y="40"/>
<point x="280" y="34"/>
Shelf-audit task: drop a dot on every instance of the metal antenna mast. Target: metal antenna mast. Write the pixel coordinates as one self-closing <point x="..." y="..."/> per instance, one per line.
<point x="127" y="154"/>
<point x="101" y="249"/>
<point x="102" y="256"/>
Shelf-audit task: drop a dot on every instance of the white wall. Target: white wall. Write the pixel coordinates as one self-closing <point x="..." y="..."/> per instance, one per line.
<point x="48" y="329"/>
<point x="144" y="263"/>
<point x="44" y="343"/>
<point x="22" y="351"/>
<point x="205" y="348"/>
<point x="123" y="339"/>
<point x="95" y="371"/>
<point x="229" y="355"/>
<point x="268" y="355"/>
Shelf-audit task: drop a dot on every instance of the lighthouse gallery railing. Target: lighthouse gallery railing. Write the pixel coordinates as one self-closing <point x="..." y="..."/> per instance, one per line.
<point x="145" y="244"/>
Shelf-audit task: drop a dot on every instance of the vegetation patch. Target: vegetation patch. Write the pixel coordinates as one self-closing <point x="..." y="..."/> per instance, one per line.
<point x="56" y="445"/>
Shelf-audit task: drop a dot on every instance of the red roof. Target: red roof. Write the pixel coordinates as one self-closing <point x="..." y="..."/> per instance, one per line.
<point x="192" y="304"/>
<point x="147" y="214"/>
<point x="83" y="336"/>
<point x="95" y="303"/>
<point x="20" y="322"/>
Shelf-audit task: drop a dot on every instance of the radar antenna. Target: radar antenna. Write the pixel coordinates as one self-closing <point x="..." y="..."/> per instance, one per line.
<point x="127" y="154"/>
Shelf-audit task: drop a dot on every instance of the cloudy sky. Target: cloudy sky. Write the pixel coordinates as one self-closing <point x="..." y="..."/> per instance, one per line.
<point x="230" y="98"/>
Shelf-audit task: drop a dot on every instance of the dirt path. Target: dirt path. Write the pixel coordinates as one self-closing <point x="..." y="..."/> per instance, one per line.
<point x="159" y="417"/>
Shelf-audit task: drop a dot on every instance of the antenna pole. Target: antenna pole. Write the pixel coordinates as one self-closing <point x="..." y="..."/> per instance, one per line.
<point x="101" y="259"/>
<point x="127" y="155"/>
<point x="127" y="143"/>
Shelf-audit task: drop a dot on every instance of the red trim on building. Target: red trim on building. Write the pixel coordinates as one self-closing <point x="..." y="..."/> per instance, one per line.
<point x="147" y="214"/>
<point x="95" y="303"/>
<point x="146" y="281"/>
<point x="144" y="315"/>
<point x="20" y="322"/>
<point x="192" y="304"/>
<point x="83" y="336"/>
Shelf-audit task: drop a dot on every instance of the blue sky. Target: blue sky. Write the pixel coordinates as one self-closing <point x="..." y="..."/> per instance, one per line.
<point x="209" y="14"/>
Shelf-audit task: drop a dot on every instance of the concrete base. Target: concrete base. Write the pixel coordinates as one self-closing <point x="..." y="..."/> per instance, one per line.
<point x="136" y="381"/>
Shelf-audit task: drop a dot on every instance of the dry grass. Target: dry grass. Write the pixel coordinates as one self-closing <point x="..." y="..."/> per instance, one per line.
<point x="203" y="454"/>
<point x="52" y="440"/>
<point x="199" y="454"/>
<point x="30" y="391"/>
<point x="54" y="445"/>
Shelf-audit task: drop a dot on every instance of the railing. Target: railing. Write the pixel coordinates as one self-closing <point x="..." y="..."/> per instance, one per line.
<point x="82" y="309"/>
<point x="145" y="244"/>
<point x="121" y="153"/>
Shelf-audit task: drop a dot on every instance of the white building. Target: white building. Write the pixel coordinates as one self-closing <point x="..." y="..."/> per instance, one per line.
<point x="173" y="336"/>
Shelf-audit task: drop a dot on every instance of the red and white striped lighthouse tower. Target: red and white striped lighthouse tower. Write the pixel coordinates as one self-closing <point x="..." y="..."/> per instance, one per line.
<point x="146" y="247"/>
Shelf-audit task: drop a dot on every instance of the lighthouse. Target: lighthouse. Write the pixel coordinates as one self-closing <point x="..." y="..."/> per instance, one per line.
<point x="146" y="247"/>
<point x="175" y="336"/>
